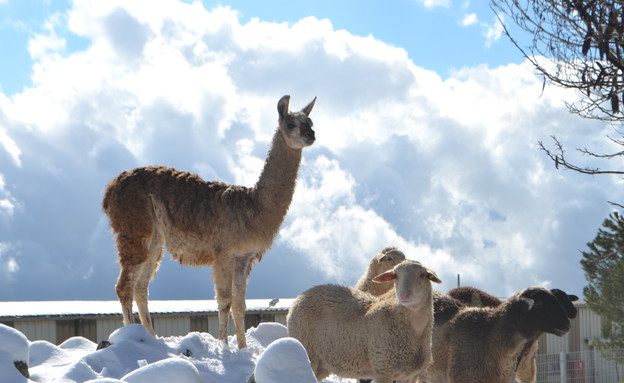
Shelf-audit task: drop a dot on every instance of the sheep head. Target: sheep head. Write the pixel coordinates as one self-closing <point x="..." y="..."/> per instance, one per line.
<point x="540" y="311"/>
<point x="412" y="282"/>
<point x="391" y="256"/>
<point x="565" y="300"/>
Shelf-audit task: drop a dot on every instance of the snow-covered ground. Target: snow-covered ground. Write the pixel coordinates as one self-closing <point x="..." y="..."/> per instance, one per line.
<point x="135" y="356"/>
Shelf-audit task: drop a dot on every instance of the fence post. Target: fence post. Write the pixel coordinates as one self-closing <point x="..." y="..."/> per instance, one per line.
<point x="562" y="367"/>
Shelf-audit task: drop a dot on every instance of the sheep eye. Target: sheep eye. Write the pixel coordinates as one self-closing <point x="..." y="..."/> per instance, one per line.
<point x="290" y="126"/>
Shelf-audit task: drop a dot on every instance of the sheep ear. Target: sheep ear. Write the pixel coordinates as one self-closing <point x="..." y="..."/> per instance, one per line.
<point x="432" y="277"/>
<point x="385" y="277"/>
<point x="573" y="298"/>
<point x="282" y="106"/>
<point x="382" y="258"/>
<point x="309" y="107"/>
<point x="526" y="304"/>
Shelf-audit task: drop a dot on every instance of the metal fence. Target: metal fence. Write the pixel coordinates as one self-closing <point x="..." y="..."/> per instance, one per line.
<point x="581" y="367"/>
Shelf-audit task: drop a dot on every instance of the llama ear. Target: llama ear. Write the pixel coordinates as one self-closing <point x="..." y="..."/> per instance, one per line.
<point x="282" y="106"/>
<point x="308" y="108"/>
<point x="385" y="277"/>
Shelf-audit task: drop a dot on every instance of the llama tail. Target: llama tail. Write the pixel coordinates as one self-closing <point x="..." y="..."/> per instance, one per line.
<point x="107" y="196"/>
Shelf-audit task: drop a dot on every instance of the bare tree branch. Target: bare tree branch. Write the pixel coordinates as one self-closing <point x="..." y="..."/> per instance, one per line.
<point x="616" y="204"/>
<point x="576" y="44"/>
<point x="558" y="157"/>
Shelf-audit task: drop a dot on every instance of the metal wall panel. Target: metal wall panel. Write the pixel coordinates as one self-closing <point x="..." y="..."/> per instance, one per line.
<point x="68" y="328"/>
<point x="175" y="326"/>
<point x="591" y="327"/>
<point x="586" y="326"/>
<point x="44" y="329"/>
<point x="281" y="318"/>
<point x="106" y="326"/>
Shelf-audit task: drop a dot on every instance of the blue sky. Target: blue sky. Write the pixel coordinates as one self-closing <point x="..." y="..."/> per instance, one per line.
<point x="427" y="125"/>
<point x="440" y="36"/>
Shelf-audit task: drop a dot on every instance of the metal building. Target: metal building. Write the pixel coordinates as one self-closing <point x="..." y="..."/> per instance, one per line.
<point x="571" y="358"/>
<point x="574" y="357"/>
<point x="56" y="321"/>
<point x="585" y="327"/>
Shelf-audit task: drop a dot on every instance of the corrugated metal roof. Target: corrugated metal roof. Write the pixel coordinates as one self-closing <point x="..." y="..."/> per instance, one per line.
<point x="73" y="308"/>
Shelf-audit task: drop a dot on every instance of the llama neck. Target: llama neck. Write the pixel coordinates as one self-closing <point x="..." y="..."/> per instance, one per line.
<point x="276" y="185"/>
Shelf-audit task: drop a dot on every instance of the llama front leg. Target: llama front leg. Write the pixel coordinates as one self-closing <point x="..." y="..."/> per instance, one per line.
<point x="242" y="269"/>
<point x="145" y="275"/>
<point x="141" y="292"/>
<point x="222" y="277"/>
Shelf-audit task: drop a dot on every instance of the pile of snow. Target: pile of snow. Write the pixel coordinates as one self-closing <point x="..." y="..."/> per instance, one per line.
<point x="136" y="356"/>
<point x="284" y="360"/>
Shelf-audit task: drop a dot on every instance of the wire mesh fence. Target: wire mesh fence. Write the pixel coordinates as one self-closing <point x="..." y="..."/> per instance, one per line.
<point x="593" y="366"/>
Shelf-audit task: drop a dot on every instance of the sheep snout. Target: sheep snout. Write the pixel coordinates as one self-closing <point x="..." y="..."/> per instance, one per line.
<point x="404" y="297"/>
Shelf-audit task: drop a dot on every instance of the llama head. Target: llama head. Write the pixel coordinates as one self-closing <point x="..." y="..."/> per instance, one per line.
<point x="296" y="127"/>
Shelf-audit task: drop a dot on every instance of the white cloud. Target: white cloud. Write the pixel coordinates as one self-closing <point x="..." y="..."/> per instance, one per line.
<point x="8" y="204"/>
<point x="11" y="148"/>
<point x="493" y="32"/>
<point x="12" y="266"/>
<point x="469" y="19"/>
<point x="435" y="3"/>
<point x="448" y="170"/>
<point x="8" y="265"/>
<point x="47" y="46"/>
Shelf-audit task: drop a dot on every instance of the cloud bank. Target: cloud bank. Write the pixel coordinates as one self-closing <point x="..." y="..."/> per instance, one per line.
<point x="447" y="170"/>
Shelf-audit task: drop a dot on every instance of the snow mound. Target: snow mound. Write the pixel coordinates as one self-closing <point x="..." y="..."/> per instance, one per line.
<point x="135" y="355"/>
<point x="14" y="345"/>
<point x="285" y="360"/>
<point x="165" y="371"/>
<point x="14" y="352"/>
<point x="266" y="333"/>
<point x="131" y="332"/>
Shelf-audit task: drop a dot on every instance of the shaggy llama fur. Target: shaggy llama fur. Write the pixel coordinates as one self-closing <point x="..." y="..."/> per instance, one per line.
<point x="204" y="223"/>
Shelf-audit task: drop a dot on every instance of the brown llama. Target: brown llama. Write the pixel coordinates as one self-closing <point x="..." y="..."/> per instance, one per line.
<point x="204" y="223"/>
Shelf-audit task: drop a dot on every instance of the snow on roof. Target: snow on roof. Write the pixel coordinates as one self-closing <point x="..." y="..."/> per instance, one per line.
<point x="73" y="308"/>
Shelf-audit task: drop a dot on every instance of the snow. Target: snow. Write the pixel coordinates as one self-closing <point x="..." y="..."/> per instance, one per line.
<point x="284" y="360"/>
<point x="13" y="345"/>
<point x="136" y="356"/>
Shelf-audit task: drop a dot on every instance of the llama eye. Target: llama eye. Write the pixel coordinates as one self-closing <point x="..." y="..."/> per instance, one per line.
<point x="290" y="126"/>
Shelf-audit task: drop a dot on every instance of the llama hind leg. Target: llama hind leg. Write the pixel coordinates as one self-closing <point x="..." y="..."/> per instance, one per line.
<point x="125" y="291"/>
<point x="132" y="254"/>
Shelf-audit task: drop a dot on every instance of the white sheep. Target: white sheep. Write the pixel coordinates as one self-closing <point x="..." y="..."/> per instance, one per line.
<point x="381" y="262"/>
<point x="354" y="334"/>
<point x="484" y="344"/>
